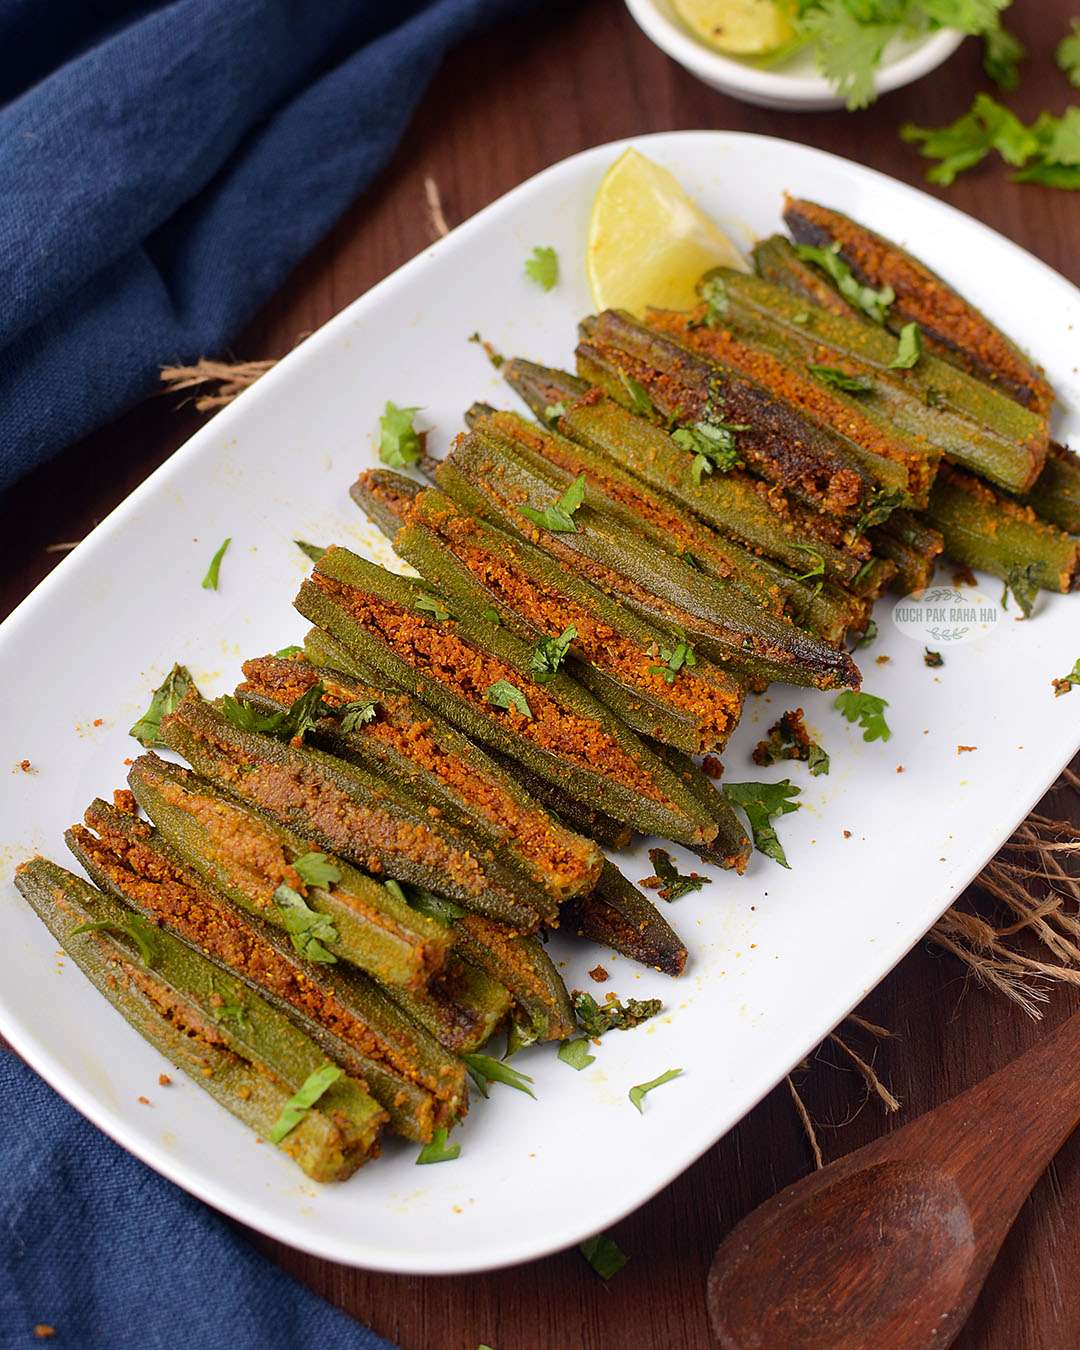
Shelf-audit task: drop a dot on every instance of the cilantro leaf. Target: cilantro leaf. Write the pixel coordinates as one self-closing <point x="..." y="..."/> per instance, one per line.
<point x="543" y="267"/>
<point x="484" y="1070"/>
<point x="968" y="140"/>
<point x="760" y="802"/>
<point x="1068" y="54"/>
<point x="286" y="723"/>
<point x="603" y="1254"/>
<point x="222" y="1008"/>
<point x="399" y="443"/>
<point x="869" y="635"/>
<point x="554" y="411"/>
<point x="353" y="715"/>
<point x="307" y="929"/>
<point x="714" y="293"/>
<point x="313" y="551"/>
<point x="316" y="869"/>
<point x="908" y="348"/>
<point x="838" y="379"/>
<point x="300" y="1103"/>
<point x="503" y="694"/>
<point x="1002" y="53"/>
<point x="638" y="1092"/>
<point x="1066" y="682"/>
<point x="167" y="697"/>
<point x="848" y="47"/>
<point x="866" y="709"/>
<point x="675" y="884"/>
<point x="789" y="739"/>
<point x="547" y="655"/>
<point x="932" y="659"/>
<point x="712" y="444"/>
<point x="594" y="1018"/>
<point x="1024" y="586"/>
<point x="431" y="906"/>
<point x="210" y="581"/>
<point x="575" y="1052"/>
<point x="559" y="516"/>
<point x="292" y="650"/>
<point x="640" y="402"/>
<point x="140" y="930"/>
<point x="682" y="654"/>
<point x="428" y="604"/>
<point x="493" y="616"/>
<point x="817" y="568"/>
<point x="873" y="303"/>
<point x="438" y="1150"/>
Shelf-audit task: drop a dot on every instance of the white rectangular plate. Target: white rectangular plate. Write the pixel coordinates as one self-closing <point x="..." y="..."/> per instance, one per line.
<point x="776" y="957"/>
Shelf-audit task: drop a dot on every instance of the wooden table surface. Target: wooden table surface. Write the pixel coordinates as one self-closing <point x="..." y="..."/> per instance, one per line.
<point x="508" y="104"/>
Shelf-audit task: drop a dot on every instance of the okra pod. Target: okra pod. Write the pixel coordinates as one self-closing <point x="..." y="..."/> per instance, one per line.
<point x="973" y="425"/>
<point x="651" y="374"/>
<point x="665" y="589"/>
<point x="777" y="261"/>
<point x="731" y="848"/>
<point x="462" y="1007"/>
<point x="612" y="652"/>
<point x="249" y="856"/>
<point x="370" y="820"/>
<point x="480" y="681"/>
<point x="524" y="967"/>
<point x="617" y="915"/>
<point x="385" y="497"/>
<point x="827" y="404"/>
<point x="416" y="1080"/>
<point x="983" y="528"/>
<point x="913" y="545"/>
<point x="922" y="297"/>
<point x="406" y="740"/>
<point x="232" y="1042"/>
<point x="1056" y="494"/>
<point x="734" y="504"/>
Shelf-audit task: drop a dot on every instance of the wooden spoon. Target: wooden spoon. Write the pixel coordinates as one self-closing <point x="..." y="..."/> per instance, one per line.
<point x="888" y="1248"/>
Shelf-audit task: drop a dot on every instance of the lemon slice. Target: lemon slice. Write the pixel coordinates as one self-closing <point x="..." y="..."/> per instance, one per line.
<point x="648" y="242"/>
<point x="743" y="27"/>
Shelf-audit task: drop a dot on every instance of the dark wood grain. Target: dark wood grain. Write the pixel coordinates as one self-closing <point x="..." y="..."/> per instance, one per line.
<point x="505" y="106"/>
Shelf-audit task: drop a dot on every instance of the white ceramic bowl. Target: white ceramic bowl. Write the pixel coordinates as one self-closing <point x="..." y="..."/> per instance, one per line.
<point x="796" y="86"/>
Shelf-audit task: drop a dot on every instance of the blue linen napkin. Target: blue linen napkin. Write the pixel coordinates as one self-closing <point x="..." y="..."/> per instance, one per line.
<point x="113" y="1257"/>
<point x="162" y="169"/>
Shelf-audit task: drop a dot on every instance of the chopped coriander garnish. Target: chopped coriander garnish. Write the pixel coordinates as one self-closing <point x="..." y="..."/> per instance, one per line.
<point x="932" y="659"/>
<point x="308" y="930"/>
<point x="428" y="604"/>
<point x="1025" y="588"/>
<point x="434" y="907"/>
<point x="817" y="566"/>
<point x="1066" y="682"/>
<point x="866" y="709"/>
<point x="873" y="303"/>
<point x="789" y="739"/>
<point x="869" y="635"/>
<point x="313" y="551"/>
<point x="438" y="1150"/>
<point x="301" y="1102"/>
<point x="559" y="516"/>
<point x="760" y="802"/>
<point x="575" y="1052"/>
<point x="837" y="379"/>
<point x="548" y="654"/>
<point x="675" y="884"/>
<point x="603" y="1254"/>
<point x="682" y="654"/>
<point x="637" y="1093"/>
<point x="596" y="1018"/>
<point x="714" y="293"/>
<point x="712" y="444"/>
<point x="316" y="869"/>
<point x="399" y="443"/>
<point x="554" y="411"/>
<point x="493" y="616"/>
<point x="286" y="723"/>
<point x="543" y="267"/>
<point x="1068" y="54"/>
<point x="167" y="697"/>
<point x="353" y="715"/>
<point x="210" y="581"/>
<point x="503" y="694"/>
<point x="141" y="931"/>
<point x="484" y="1070"/>
<point x="640" y="402"/>
<point x="1002" y="53"/>
<point x="908" y="348"/>
<point x="293" y="650"/>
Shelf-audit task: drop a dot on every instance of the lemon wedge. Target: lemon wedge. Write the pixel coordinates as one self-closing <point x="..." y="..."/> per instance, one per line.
<point x="648" y="242"/>
<point x="742" y="27"/>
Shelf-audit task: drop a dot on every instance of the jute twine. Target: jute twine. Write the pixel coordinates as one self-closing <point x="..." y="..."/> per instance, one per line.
<point x="1027" y="899"/>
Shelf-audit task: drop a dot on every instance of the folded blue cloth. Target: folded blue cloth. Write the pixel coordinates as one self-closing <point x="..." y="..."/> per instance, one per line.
<point x="113" y="1257"/>
<point x="163" y="168"/>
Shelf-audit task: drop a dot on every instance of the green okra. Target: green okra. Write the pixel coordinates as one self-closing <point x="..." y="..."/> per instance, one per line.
<point x="777" y="261"/>
<point x="462" y="1008"/>
<point x="734" y="504"/>
<point x="373" y="821"/>
<point x="233" y="1043"/>
<point x="973" y="424"/>
<point x="920" y="296"/>
<point x="618" y="915"/>
<point x="416" y="1080"/>
<point x="248" y="856"/>
<point x="985" y="529"/>
<point x="913" y="545"/>
<point x="671" y="594"/>
<point x="1056" y="494"/>
<point x="544" y="1010"/>
<point x="775" y="440"/>
<point x="611" y="651"/>
<point x="456" y="667"/>
<point x="731" y="848"/>
<point x="385" y="497"/>
<point x="407" y="741"/>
